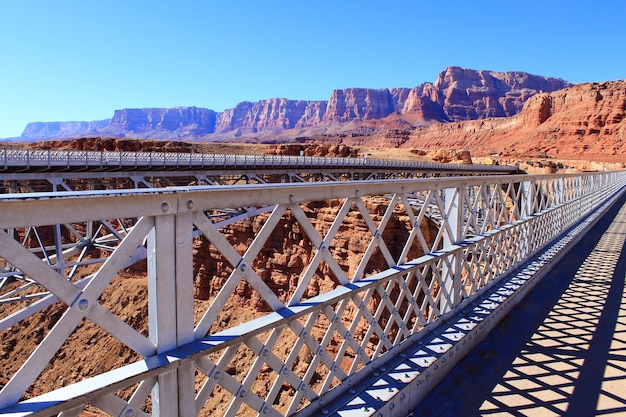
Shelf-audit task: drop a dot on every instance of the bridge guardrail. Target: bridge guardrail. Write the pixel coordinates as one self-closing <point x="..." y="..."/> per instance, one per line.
<point x="312" y="337"/>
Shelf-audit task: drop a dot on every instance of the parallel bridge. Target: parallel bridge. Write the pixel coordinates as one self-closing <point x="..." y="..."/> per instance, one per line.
<point x="53" y="170"/>
<point x="366" y="337"/>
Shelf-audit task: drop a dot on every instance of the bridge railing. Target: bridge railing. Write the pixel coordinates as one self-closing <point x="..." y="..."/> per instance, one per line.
<point x="289" y="311"/>
<point x="30" y="159"/>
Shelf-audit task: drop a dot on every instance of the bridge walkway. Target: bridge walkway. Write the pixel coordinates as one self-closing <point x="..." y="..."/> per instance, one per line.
<point x="562" y="350"/>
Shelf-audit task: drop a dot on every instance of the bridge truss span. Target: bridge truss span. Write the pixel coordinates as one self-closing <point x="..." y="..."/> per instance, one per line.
<point x="60" y="171"/>
<point x="280" y="308"/>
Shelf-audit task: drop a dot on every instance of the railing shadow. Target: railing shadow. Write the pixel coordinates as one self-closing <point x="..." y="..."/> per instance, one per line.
<point x="562" y="350"/>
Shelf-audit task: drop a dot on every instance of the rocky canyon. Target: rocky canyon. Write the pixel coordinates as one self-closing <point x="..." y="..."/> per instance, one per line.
<point x="457" y="94"/>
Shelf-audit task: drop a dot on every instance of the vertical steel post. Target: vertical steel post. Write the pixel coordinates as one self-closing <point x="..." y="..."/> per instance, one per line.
<point x="454" y="217"/>
<point x="162" y="308"/>
<point x="58" y="241"/>
<point x="528" y="202"/>
<point x="185" y="310"/>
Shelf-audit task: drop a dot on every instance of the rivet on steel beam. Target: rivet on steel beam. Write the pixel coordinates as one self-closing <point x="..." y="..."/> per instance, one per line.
<point x="217" y="375"/>
<point x="325" y="411"/>
<point x="165" y="207"/>
<point x="352" y="391"/>
<point x="83" y="304"/>
<point x="130" y="413"/>
<point x="243" y="267"/>
<point x="265" y="410"/>
<point x="189" y="204"/>
<point x="291" y="198"/>
<point x="243" y="393"/>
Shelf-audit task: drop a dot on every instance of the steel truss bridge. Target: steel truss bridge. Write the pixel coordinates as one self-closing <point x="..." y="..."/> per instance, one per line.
<point x="53" y="170"/>
<point x="365" y="337"/>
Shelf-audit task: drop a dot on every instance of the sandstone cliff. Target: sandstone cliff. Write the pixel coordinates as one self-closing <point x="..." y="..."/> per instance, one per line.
<point x="270" y="116"/>
<point x="178" y="121"/>
<point x="45" y="130"/>
<point x="356" y="104"/>
<point x="468" y="94"/>
<point x="457" y="94"/>
<point x="585" y="121"/>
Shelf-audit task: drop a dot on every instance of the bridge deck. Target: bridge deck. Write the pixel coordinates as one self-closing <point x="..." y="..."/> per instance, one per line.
<point x="562" y="350"/>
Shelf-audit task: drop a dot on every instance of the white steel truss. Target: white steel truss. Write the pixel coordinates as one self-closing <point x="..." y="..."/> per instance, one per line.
<point x="315" y="328"/>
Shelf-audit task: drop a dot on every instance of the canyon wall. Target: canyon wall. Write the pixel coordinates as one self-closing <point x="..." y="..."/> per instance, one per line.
<point x="46" y="130"/>
<point x="584" y="121"/>
<point x="457" y="94"/>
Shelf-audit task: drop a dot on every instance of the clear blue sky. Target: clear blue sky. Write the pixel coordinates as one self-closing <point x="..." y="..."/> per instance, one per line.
<point x="80" y="60"/>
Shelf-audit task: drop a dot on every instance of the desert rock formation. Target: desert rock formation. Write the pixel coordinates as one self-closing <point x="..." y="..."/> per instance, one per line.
<point x="457" y="94"/>
<point x="581" y="122"/>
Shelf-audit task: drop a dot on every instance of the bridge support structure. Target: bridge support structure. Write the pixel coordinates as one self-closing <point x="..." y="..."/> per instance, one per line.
<point x="308" y="342"/>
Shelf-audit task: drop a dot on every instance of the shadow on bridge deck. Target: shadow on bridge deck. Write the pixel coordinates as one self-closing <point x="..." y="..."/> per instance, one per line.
<point x="562" y="350"/>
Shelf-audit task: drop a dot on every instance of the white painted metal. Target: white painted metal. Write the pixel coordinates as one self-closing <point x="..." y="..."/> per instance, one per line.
<point x="51" y="159"/>
<point x="488" y="225"/>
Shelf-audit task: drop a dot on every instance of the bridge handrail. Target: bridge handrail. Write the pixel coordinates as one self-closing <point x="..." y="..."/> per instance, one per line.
<point x="480" y="216"/>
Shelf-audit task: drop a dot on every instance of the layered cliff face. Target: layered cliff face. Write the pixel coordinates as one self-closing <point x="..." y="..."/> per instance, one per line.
<point x="183" y="121"/>
<point x="457" y="94"/>
<point x="270" y="116"/>
<point x="356" y="104"/>
<point x="587" y="120"/>
<point x="45" y="130"/>
<point x="469" y="94"/>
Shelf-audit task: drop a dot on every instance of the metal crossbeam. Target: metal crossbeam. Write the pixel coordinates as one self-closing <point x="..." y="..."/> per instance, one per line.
<point x="311" y="340"/>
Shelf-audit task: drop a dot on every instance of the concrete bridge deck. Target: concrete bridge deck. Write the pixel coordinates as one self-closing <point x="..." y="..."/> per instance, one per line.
<point x="562" y="350"/>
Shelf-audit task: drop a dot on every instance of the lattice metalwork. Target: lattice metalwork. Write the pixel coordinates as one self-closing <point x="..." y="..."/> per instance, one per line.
<point x="325" y="284"/>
